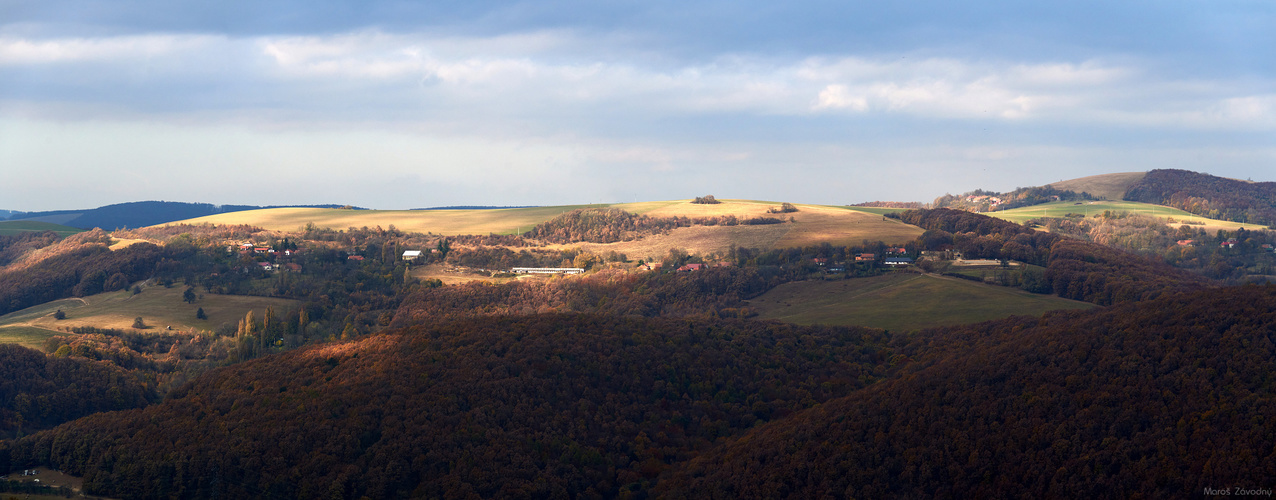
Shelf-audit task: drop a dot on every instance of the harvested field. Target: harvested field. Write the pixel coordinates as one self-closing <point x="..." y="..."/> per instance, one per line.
<point x="1109" y="186"/>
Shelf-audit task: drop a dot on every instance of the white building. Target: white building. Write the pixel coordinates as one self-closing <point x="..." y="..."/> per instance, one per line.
<point x="547" y="270"/>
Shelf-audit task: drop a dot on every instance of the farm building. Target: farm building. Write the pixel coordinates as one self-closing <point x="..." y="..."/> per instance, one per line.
<point x="547" y="270"/>
<point x="411" y="254"/>
<point x="898" y="261"/>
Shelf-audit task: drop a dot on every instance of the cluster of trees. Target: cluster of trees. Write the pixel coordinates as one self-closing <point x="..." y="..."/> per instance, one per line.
<point x="1210" y="255"/>
<point x="785" y="208"/>
<point x="1160" y="399"/>
<point x="1207" y="195"/>
<point x="39" y="392"/>
<point x="600" y="225"/>
<point x="532" y="406"/>
<point x="708" y="292"/>
<point x="610" y="225"/>
<point x="707" y="199"/>
<point x="1074" y="269"/>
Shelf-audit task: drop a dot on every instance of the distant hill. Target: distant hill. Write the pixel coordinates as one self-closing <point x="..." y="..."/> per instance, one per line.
<point x="1106" y="186"/>
<point x="1208" y="195"/>
<point x="135" y="214"/>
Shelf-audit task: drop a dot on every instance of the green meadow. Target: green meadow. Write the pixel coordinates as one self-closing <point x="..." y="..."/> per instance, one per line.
<point x="13" y="227"/>
<point x="901" y="301"/>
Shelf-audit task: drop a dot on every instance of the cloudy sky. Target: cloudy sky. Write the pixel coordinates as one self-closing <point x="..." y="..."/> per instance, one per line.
<point x="397" y="105"/>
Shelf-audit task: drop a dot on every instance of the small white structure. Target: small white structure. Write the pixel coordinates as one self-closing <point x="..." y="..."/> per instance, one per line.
<point x="411" y="254"/>
<point x="547" y="270"/>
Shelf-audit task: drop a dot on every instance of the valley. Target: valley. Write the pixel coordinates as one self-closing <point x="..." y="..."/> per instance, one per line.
<point x="703" y="349"/>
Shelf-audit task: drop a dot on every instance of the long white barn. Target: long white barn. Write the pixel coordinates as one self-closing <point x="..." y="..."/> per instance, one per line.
<point x="547" y="270"/>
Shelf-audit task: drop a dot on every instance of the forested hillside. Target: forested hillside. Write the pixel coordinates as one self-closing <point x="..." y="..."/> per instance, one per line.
<point x="38" y="392"/>
<point x="1207" y="195"/>
<point x="40" y="268"/>
<point x="1158" y="399"/>
<point x="535" y="406"/>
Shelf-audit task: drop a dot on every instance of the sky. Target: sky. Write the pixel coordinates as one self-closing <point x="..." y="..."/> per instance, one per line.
<point x="397" y="104"/>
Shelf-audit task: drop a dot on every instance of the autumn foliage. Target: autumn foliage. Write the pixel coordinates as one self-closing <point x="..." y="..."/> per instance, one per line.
<point x="535" y="406"/>
<point x="1158" y="399"/>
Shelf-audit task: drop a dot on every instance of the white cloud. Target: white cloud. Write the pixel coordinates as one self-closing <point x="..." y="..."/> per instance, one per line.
<point x="837" y="96"/>
<point x="18" y="51"/>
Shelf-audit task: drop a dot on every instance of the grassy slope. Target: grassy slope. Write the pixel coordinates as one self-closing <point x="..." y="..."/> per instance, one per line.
<point x="1110" y="186"/>
<point x="158" y="306"/>
<point x="900" y="301"/>
<point x="815" y="224"/>
<point x="13" y="227"/>
<point x="1062" y="208"/>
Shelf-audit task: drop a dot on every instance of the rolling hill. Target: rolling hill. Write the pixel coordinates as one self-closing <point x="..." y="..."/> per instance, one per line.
<point x="814" y="224"/>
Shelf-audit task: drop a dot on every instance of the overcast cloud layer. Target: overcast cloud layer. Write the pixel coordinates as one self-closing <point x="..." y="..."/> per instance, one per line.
<point x="397" y="105"/>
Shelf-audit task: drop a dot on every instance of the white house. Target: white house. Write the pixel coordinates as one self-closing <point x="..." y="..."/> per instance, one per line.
<point x="411" y="254"/>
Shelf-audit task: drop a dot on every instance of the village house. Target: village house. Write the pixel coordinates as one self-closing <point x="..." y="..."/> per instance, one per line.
<point x="865" y="257"/>
<point x="691" y="267"/>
